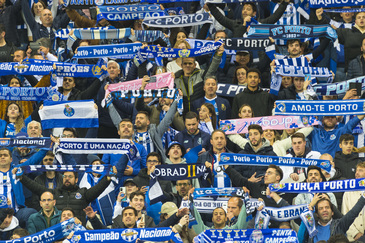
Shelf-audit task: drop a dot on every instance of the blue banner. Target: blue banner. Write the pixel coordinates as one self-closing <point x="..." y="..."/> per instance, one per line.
<point x="131" y="16"/>
<point x="333" y="3"/>
<point x="264" y="160"/>
<point x="247" y="235"/>
<point x="320" y="107"/>
<point x="195" y="43"/>
<point x="50" y="234"/>
<point x="123" y="51"/>
<point x="64" y="33"/>
<point x="351" y="10"/>
<point x="338" y="88"/>
<point x="13" y="68"/>
<point x="286" y="213"/>
<point x="92" y="3"/>
<point x="317" y="187"/>
<point x="30" y="93"/>
<point x="178" y="20"/>
<point x="130" y="12"/>
<point x="78" y="70"/>
<point x="298" y="71"/>
<point x="248" y="44"/>
<point x="215" y="192"/>
<point x="164" y="52"/>
<point x="231" y="90"/>
<point x="291" y="31"/>
<point x="126" y="235"/>
<point x="43" y="143"/>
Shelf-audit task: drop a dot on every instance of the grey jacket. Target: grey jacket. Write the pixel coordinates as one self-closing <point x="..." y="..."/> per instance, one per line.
<point x="355" y="68"/>
<point x="156" y="131"/>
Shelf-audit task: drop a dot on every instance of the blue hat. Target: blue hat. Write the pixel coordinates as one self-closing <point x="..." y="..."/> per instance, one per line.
<point x="174" y="143"/>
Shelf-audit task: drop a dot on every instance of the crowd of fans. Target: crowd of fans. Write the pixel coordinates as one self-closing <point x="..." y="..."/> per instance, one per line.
<point x="163" y="134"/>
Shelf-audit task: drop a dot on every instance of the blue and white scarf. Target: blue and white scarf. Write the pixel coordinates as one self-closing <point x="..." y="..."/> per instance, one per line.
<point x="123" y="51"/>
<point x="151" y="36"/>
<point x="333" y="3"/>
<point x="64" y="33"/>
<point x="50" y="234"/>
<point x="126" y="235"/>
<point x="319" y="187"/>
<point x="97" y="34"/>
<point x="246" y="43"/>
<point x="338" y="88"/>
<point x="99" y="169"/>
<point x="30" y="93"/>
<point x="247" y="235"/>
<point x="265" y="160"/>
<point x="178" y="20"/>
<point x="130" y="12"/>
<point x="43" y="143"/>
<point x="291" y="31"/>
<point x="320" y="108"/>
<point x="351" y="10"/>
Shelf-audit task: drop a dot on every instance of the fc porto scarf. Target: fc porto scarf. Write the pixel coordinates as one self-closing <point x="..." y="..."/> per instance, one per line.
<point x="265" y="160"/>
<point x="333" y="3"/>
<point x="247" y="235"/>
<point x="172" y="173"/>
<point x="338" y="88"/>
<point x="30" y="93"/>
<point x="318" y="187"/>
<point x="184" y="20"/>
<point x="50" y="234"/>
<point x="126" y="235"/>
<point x="239" y="126"/>
<point x="38" y="143"/>
<point x="292" y="31"/>
<point x="320" y="108"/>
<point x="130" y="12"/>
<point x="123" y="51"/>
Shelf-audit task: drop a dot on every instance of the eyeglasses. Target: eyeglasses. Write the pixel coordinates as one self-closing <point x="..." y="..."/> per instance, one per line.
<point x="47" y="200"/>
<point x="68" y="176"/>
<point x="153" y="161"/>
<point x="182" y="184"/>
<point x="67" y="136"/>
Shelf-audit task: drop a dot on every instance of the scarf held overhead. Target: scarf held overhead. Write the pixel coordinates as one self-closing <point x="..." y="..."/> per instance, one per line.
<point x="184" y="20"/>
<point x="30" y="93"/>
<point x="265" y="160"/>
<point x="320" y="108"/>
<point x="238" y="126"/>
<point x="39" y="143"/>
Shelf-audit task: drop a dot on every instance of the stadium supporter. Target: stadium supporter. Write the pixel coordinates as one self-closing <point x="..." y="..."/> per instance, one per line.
<point x="123" y="196"/>
<point x="240" y="76"/>
<point x="207" y="118"/>
<point x="325" y="138"/>
<point x="259" y="100"/>
<point x="314" y="174"/>
<point x="355" y="67"/>
<point x="327" y="225"/>
<point x="182" y="188"/>
<point x="14" y="121"/>
<point x="158" y="112"/>
<point x="8" y="223"/>
<point x="346" y="160"/>
<point x="217" y="178"/>
<point x="190" y="78"/>
<point x="34" y="129"/>
<point x="298" y="90"/>
<point x="143" y="177"/>
<point x="192" y="136"/>
<point x="299" y="150"/>
<point x="257" y="145"/>
<point x="70" y="194"/>
<point x="133" y="166"/>
<point x="239" y="27"/>
<point x="221" y="105"/>
<point x="19" y="233"/>
<point x="176" y="65"/>
<point x="234" y="206"/>
<point x="356" y="230"/>
<point x="219" y="219"/>
<point x="6" y="48"/>
<point x="47" y="217"/>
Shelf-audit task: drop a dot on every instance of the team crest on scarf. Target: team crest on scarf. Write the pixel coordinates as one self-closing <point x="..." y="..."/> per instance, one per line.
<point x="184" y="53"/>
<point x="20" y="68"/>
<point x="129" y="235"/>
<point x="4" y="142"/>
<point x="362" y="183"/>
<point x="256" y="236"/>
<point x="310" y="219"/>
<point x="281" y="107"/>
<point x="97" y="71"/>
<point x="227" y="126"/>
<point x="3" y="200"/>
<point x="278" y="186"/>
<point x="224" y="158"/>
<point x="68" y="111"/>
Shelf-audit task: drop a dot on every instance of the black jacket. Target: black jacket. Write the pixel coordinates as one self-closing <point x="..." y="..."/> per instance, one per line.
<point x="248" y="170"/>
<point x="77" y="198"/>
<point x="259" y="100"/>
<point x="347" y="164"/>
<point x="89" y="93"/>
<point x="355" y="68"/>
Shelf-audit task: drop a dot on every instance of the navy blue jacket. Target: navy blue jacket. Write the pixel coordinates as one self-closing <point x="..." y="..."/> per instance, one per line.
<point x="224" y="108"/>
<point x="189" y="141"/>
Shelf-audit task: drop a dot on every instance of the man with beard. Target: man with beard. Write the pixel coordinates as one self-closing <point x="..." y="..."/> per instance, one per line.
<point x="221" y="105"/>
<point x="192" y="136"/>
<point x="70" y="194"/>
<point x="257" y="145"/>
<point x="325" y="139"/>
<point x="314" y="174"/>
<point x="150" y="135"/>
